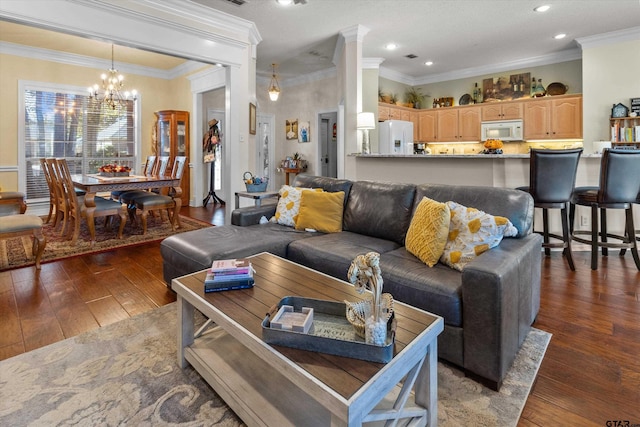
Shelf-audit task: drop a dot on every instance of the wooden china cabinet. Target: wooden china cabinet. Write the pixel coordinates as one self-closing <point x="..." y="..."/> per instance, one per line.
<point x="172" y="130"/>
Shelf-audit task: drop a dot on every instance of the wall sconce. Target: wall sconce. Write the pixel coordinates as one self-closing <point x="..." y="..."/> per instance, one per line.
<point x="365" y="122"/>
<point x="274" y="89"/>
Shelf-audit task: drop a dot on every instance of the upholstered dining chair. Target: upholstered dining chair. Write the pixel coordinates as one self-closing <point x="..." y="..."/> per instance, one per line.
<point x="619" y="186"/>
<point x="149" y="164"/>
<point x="171" y="202"/>
<point x="552" y="177"/>
<point x="159" y="168"/>
<point x="77" y="209"/>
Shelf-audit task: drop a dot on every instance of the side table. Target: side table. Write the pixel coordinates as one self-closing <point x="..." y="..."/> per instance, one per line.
<point x="257" y="197"/>
<point x="288" y="171"/>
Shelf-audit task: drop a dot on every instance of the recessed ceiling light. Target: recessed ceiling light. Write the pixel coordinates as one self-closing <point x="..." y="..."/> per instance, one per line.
<point x="542" y="8"/>
<point x="284" y="2"/>
<point x="560" y="36"/>
<point x="428" y="63"/>
<point x="391" y="46"/>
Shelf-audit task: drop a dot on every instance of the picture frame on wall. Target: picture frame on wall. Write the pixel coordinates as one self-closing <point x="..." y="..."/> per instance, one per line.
<point x="291" y="129"/>
<point x="252" y="119"/>
<point x="304" y="132"/>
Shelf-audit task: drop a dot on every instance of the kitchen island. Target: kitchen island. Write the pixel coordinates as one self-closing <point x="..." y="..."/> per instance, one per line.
<point x="486" y="170"/>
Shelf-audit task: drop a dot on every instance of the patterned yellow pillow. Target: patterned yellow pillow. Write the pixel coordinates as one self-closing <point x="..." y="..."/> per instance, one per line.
<point x="472" y="232"/>
<point x="428" y="231"/>
<point x="289" y="204"/>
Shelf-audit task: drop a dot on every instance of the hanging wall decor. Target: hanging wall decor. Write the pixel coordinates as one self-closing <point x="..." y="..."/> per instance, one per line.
<point x="304" y="132"/>
<point x="252" y="119"/>
<point x="291" y="129"/>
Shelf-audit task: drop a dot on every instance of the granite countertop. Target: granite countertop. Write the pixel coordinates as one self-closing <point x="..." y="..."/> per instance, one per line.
<point x="456" y="156"/>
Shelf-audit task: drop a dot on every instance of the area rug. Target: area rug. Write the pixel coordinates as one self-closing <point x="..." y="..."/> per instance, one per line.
<point x="17" y="252"/>
<point x="127" y="374"/>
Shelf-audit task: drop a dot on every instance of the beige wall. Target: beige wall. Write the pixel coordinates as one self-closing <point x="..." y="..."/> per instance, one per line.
<point x="155" y="94"/>
<point x="610" y="76"/>
<point x="303" y="102"/>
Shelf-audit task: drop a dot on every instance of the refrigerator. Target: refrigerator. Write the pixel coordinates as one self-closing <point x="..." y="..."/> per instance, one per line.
<point x="395" y="137"/>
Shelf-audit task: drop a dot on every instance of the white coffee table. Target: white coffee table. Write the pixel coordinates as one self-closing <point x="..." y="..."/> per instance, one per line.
<point x="278" y="386"/>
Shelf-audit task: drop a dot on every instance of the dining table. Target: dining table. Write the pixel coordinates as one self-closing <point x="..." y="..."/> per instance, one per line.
<point x="92" y="184"/>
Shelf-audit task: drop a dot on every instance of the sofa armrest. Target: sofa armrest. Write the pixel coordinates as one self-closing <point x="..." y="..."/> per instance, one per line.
<point x="500" y="300"/>
<point x="251" y="215"/>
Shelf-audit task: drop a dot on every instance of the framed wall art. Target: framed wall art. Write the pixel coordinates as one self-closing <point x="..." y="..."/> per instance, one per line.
<point x="252" y="119"/>
<point x="304" y="132"/>
<point x="291" y="129"/>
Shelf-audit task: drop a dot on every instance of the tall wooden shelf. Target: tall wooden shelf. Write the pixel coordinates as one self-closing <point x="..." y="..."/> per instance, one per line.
<point x="631" y="138"/>
<point x="172" y="130"/>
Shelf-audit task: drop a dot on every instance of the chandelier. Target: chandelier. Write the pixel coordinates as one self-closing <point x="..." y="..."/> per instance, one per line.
<point x="109" y="92"/>
<point x="274" y="89"/>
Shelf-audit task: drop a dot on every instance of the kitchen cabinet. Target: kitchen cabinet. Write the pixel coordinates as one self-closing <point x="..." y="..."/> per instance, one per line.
<point x="427" y="125"/>
<point x="450" y="125"/>
<point x="502" y="111"/>
<point x="172" y="131"/>
<point x="553" y="118"/>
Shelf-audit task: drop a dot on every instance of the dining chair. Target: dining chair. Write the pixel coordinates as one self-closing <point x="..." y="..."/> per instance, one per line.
<point x="53" y="211"/>
<point x="78" y="211"/>
<point x="552" y="177"/>
<point x="61" y="205"/>
<point x="171" y="202"/>
<point x="159" y="168"/>
<point x="618" y="188"/>
<point x="149" y="164"/>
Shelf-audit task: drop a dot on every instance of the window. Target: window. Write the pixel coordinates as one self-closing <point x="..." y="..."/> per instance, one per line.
<point x="67" y="124"/>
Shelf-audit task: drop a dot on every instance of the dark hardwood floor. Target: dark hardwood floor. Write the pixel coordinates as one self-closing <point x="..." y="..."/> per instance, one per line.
<point x="590" y="373"/>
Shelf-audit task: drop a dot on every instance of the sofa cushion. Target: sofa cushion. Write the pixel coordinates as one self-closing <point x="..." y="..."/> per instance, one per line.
<point x="330" y="185"/>
<point x="289" y="205"/>
<point x="437" y="290"/>
<point x="194" y="250"/>
<point x="513" y="204"/>
<point x="332" y="253"/>
<point x="472" y="232"/>
<point x="428" y="231"/>
<point x="379" y="209"/>
<point x="321" y="211"/>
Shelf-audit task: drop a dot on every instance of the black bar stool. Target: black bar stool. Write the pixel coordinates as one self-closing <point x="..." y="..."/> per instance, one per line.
<point x="552" y="177"/>
<point x="618" y="189"/>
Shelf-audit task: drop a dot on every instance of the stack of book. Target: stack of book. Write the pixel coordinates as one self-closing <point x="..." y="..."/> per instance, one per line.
<point x="226" y="274"/>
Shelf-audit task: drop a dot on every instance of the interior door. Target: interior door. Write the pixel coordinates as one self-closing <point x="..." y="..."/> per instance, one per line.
<point x="328" y="144"/>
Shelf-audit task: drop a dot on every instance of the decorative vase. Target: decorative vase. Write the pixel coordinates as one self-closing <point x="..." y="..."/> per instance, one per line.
<point x="375" y="324"/>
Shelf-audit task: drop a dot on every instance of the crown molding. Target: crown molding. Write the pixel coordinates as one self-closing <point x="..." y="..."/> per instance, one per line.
<point x="604" y="39"/>
<point x="371" y="63"/>
<point x="97" y="63"/>
<point x="348" y="35"/>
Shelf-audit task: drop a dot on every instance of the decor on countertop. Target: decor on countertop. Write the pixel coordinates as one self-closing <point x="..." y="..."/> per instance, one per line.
<point x="109" y="92"/>
<point x="374" y="313"/>
<point x="148" y="340"/>
<point x="274" y="88"/>
<point x="492" y="146"/>
<point x="291" y="129"/>
<point x="254" y="184"/>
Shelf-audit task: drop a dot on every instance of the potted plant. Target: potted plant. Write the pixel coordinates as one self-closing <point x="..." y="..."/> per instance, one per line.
<point x="414" y="97"/>
<point x="393" y="98"/>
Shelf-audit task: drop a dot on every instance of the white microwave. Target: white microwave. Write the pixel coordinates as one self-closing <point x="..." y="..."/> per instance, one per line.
<point x="505" y="130"/>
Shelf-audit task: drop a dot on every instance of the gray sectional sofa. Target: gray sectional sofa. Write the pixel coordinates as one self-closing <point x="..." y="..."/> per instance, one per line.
<point x="488" y="308"/>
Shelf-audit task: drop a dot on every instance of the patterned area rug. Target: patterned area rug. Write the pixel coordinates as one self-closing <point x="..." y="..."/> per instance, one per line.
<point x="16" y="252"/>
<point x="126" y="374"/>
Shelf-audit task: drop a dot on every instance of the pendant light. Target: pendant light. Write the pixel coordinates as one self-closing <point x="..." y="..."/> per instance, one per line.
<point x="274" y="88"/>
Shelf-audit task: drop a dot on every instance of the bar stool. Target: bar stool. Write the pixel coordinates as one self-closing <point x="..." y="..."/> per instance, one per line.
<point x="552" y="177"/>
<point x="618" y="189"/>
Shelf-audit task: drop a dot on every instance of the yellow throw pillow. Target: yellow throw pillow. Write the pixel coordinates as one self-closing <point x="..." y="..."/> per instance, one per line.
<point x="321" y="211"/>
<point x="472" y="232"/>
<point x="428" y="231"/>
<point x="289" y="204"/>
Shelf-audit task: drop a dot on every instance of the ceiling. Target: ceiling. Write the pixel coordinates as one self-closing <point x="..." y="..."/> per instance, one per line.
<point x="457" y="35"/>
